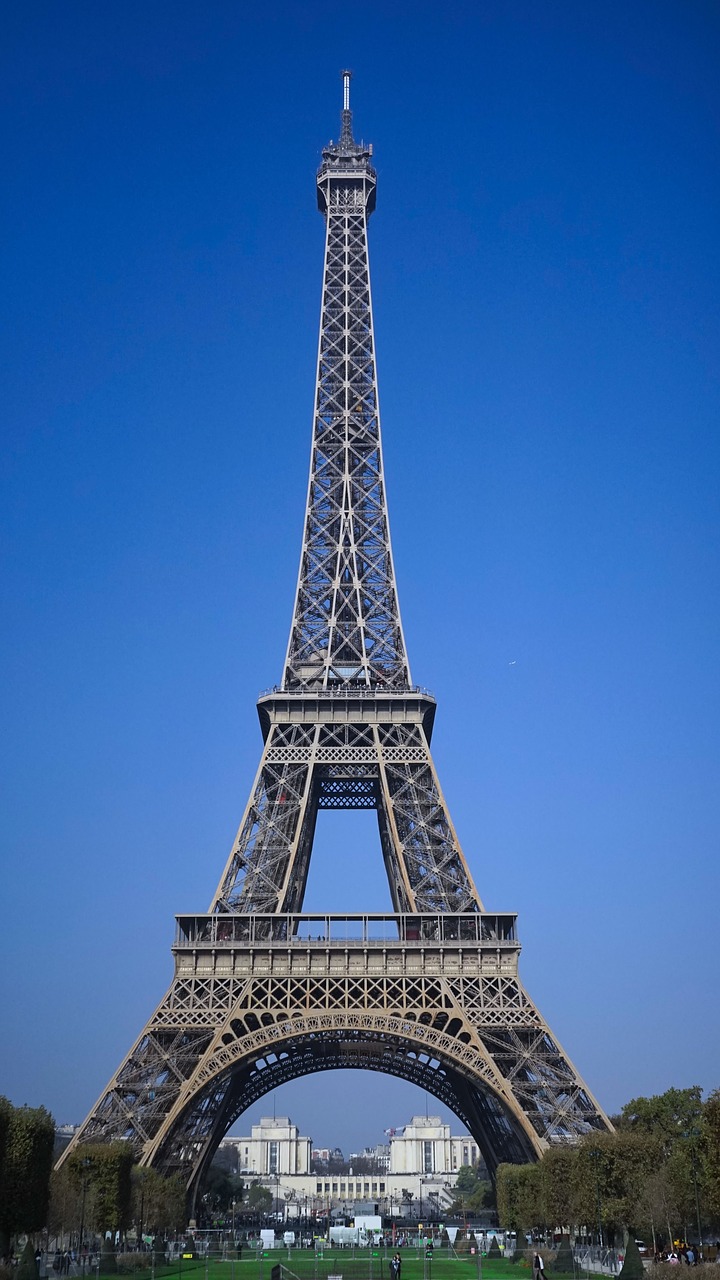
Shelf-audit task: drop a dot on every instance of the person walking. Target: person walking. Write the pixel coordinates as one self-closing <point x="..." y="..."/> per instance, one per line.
<point x="538" y="1267"/>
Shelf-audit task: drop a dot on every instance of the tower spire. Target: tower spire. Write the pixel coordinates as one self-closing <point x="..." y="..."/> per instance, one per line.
<point x="346" y="134"/>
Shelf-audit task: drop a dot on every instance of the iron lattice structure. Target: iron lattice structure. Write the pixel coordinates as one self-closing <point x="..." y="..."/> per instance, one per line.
<point x="263" y="993"/>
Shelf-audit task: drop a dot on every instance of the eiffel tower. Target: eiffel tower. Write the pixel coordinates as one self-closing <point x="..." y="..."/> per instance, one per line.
<point x="264" y="993"/>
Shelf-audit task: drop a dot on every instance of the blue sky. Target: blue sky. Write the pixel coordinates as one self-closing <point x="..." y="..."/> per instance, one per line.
<point x="545" y="279"/>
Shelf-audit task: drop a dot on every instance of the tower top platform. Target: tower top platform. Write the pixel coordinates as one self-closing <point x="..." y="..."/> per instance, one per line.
<point x="346" y="158"/>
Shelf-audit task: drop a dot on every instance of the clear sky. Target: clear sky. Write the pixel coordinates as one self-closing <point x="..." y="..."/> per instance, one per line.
<point x="545" y="276"/>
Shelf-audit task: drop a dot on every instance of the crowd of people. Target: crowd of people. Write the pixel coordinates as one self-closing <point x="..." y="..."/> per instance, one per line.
<point x="685" y="1254"/>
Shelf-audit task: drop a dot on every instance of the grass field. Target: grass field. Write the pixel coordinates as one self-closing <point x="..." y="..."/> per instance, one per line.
<point x="349" y="1264"/>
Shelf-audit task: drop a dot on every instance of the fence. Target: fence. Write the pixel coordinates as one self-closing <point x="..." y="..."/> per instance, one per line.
<point x="251" y="1262"/>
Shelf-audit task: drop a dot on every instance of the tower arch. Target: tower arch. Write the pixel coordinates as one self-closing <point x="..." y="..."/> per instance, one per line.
<point x="243" y="1069"/>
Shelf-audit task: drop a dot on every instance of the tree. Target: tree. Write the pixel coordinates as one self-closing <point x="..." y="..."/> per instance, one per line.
<point x="220" y="1190"/>
<point x="216" y="1189"/>
<point x="63" y="1210"/>
<point x="6" y="1110"/>
<point x="657" y="1206"/>
<point x="467" y="1179"/>
<point x="676" y="1121"/>
<point x="107" y="1266"/>
<point x="106" y="1170"/>
<point x="472" y="1193"/>
<point x="259" y="1199"/>
<point x="520" y="1197"/>
<point x="530" y="1198"/>
<point x="564" y="1263"/>
<point x="28" y="1268"/>
<point x="158" y="1202"/>
<point x="558" y="1176"/>
<point x="28" y="1134"/>
<point x="660" y="1169"/>
<point x="666" y="1116"/>
<point x="483" y="1197"/>
<point x="505" y="1187"/>
<point x="683" y="1175"/>
<point x="611" y="1170"/>
<point x="710" y="1154"/>
<point x="632" y="1267"/>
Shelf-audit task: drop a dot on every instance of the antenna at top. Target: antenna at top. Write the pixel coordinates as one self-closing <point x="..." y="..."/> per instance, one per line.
<point x="346" y="78"/>
<point x="346" y="134"/>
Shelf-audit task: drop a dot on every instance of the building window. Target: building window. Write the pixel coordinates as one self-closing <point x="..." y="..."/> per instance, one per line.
<point x="374" y="1187"/>
<point x="335" y="1187"/>
<point x="318" y="1188"/>
<point x="466" y="1155"/>
<point x="272" y="1157"/>
<point x="382" y="1186"/>
<point x="367" y="1188"/>
<point x="427" y="1157"/>
<point x="327" y="1186"/>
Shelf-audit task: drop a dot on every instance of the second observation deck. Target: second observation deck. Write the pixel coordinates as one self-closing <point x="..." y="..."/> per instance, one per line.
<point x="317" y="930"/>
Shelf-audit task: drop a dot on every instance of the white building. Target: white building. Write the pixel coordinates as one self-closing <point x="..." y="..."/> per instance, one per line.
<point x="423" y="1162"/>
<point x="274" y="1147"/>
<point x="425" y="1146"/>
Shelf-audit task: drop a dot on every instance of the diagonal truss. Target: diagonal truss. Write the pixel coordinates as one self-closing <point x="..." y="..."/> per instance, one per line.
<point x="263" y="994"/>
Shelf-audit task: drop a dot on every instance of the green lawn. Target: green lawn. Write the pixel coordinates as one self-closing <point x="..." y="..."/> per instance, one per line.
<point x="358" y="1264"/>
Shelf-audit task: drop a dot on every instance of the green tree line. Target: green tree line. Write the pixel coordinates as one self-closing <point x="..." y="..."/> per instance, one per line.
<point x="101" y="1189"/>
<point x="98" y="1189"/>
<point x="27" y="1138"/>
<point x="658" y="1173"/>
<point x="472" y="1193"/>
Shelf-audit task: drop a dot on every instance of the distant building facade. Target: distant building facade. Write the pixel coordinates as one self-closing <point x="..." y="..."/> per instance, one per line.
<point x="415" y="1173"/>
<point x="425" y="1146"/>
<point x="379" y="1156"/>
<point x="273" y="1148"/>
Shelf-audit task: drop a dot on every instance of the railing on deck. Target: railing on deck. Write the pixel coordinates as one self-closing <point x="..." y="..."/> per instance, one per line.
<point x="350" y="690"/>
<point x="467" y="929"/>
